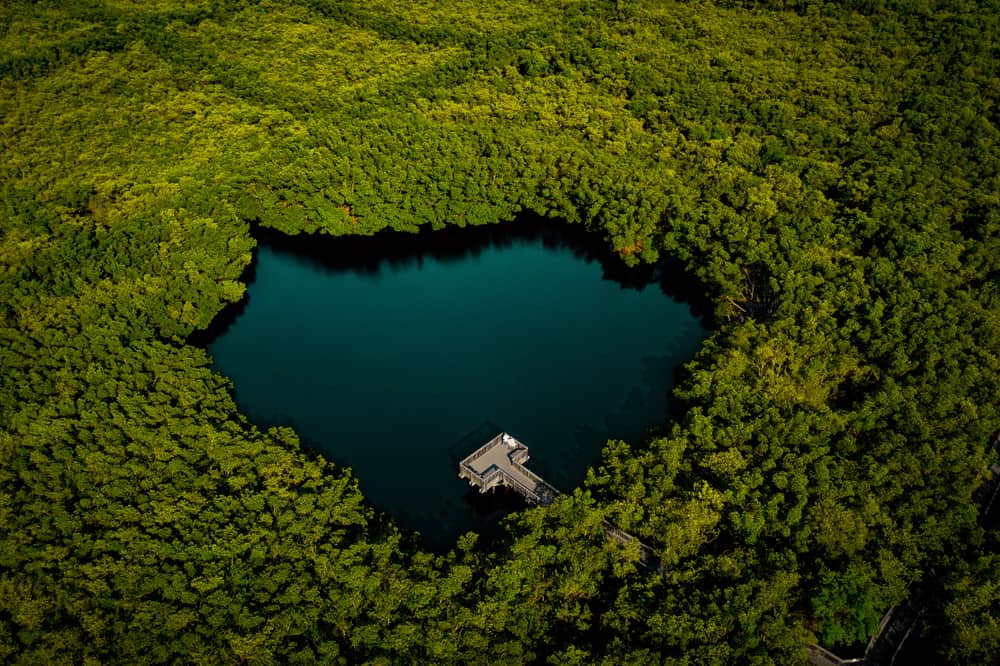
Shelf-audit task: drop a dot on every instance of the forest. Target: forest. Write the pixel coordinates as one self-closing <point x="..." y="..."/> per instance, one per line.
<point x="827" y="175"/>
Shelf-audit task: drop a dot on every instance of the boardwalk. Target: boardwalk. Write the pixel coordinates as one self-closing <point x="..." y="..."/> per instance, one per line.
<point x="988" y="495"/>
<point x="895" y="627"/>
<point x="818" y="656"/>
<point x="501" y="462"/>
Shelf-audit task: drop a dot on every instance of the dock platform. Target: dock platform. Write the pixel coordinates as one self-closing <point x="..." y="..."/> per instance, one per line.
<point x="501" y="462"/>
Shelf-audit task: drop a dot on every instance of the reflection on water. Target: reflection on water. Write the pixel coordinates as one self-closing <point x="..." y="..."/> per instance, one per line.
<point x="388" y="353"/>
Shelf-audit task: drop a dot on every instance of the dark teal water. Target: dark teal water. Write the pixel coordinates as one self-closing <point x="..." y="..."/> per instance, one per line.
<point x="385" y="357"/>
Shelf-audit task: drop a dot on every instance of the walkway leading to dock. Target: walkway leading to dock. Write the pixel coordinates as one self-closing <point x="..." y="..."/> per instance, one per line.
<point x="501" y="462"/>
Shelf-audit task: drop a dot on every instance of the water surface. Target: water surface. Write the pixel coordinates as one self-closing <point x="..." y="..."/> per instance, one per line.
<point x="386" y="353"/>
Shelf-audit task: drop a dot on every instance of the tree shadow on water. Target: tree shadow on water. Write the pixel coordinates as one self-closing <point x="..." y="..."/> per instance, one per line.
<point x="391" y="251"/>
<point x="644" y="413"/>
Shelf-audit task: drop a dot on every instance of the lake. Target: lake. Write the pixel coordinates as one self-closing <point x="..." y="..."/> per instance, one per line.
<point x="399" y="354"/>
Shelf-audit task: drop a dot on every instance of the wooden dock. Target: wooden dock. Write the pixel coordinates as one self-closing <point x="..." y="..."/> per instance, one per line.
<point x="501" y="462"/>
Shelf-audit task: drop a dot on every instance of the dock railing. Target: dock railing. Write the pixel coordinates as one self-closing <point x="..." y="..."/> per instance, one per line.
<point x="481" y="451"/>
<point x="529" y="493"/>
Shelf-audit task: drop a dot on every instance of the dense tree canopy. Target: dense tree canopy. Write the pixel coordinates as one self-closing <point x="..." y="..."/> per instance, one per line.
<point x="829" y="174"/>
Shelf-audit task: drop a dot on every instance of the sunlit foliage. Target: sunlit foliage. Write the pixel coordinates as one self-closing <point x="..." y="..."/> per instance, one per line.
<point x="828" y="174"/>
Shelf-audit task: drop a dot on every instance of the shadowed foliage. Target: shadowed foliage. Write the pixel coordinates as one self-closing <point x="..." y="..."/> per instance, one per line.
<point x="827" y="172"/>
